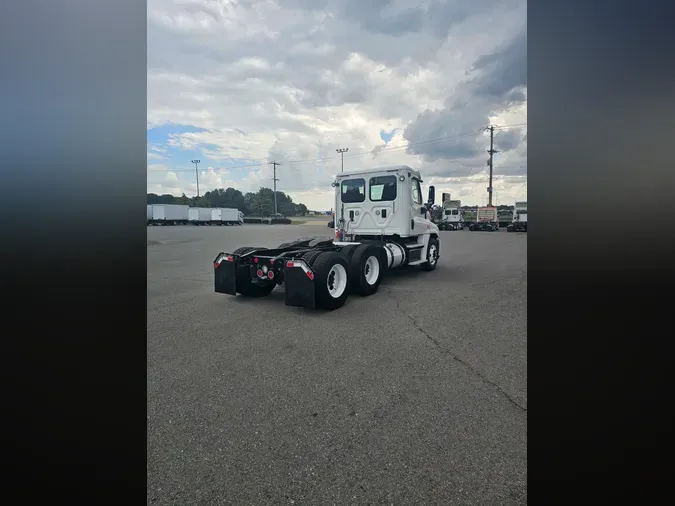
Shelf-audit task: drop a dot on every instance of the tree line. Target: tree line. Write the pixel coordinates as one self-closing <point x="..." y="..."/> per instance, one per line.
<point x="260" y="203"/>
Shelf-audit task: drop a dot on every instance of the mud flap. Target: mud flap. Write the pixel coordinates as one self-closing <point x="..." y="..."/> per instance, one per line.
<point x="299" y="288"/>
<point x="225" y="279"/>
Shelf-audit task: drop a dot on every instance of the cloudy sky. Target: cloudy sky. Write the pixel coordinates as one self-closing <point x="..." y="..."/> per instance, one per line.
<point x="238" y="83"/>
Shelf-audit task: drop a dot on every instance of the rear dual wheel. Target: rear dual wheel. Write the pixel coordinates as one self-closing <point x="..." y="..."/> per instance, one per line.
<point x="366" y="266"/>
<point x="356" y="268"/>
<point x="331" y="278"/>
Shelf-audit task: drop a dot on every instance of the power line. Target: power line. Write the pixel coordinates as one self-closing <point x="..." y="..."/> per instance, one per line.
<point x="362" y="153"/>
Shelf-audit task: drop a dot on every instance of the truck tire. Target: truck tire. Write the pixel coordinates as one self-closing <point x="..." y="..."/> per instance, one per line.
<point x="432" y="255"/>
<point x="510" y="228"/>
<point x="348" y="251"/>
<point x="310" y="256"/>
<point x="366" y="268"/>
<point x="244" y="284"/>
<point x="331" y="280"/>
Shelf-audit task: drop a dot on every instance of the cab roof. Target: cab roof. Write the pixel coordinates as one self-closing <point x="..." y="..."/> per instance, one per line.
<point x="390" y="168"/>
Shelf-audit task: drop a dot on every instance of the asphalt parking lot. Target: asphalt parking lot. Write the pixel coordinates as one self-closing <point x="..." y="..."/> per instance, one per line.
<point x="415" y="395"/>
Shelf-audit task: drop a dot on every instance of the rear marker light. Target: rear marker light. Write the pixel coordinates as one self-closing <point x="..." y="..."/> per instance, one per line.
<point x="216" y="264"/>
<point x="270" y="275"/>
<point x="255" y="260"/>
<point x="310" y="275"/>
<point x="260" y="273"/>
<point x="290" y="264"/>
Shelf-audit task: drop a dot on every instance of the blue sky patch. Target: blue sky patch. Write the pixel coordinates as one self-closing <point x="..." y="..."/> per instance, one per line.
<point x="386" y="136"/>
<point x="160" y="135"/>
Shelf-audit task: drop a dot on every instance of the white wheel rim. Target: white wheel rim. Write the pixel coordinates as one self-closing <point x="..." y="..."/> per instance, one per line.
<point x="336" y="281"/>
<point x="371" y="270"/>
<point x="433" y="257"/>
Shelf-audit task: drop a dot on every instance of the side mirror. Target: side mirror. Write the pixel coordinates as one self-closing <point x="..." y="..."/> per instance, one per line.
<point x="432" y="195"/>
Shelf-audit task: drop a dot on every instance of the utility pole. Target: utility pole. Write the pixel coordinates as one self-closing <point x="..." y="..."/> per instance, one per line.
<point x="342" y="152"/>
<point x="492" y="151"/>
<point x="196" y="162"/>
<point x="275" y="185"/>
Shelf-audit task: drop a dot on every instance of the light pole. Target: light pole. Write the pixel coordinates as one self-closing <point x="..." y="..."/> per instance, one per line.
<point x="196" y="162"/>
<point x="342" y="152"/>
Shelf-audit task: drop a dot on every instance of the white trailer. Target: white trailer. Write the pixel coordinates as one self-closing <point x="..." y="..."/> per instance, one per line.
<point x="487" y="219"/>
<point x="381" y="224"/>
<point x="519" y="223"/>
<point x="216" y="216"/>
<point x="169" y="214"/>
<point x="200" y="215"/>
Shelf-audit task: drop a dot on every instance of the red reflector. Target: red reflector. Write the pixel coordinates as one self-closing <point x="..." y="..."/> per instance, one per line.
<point x="229" y="259"/>
<point x="260" y="274"/>
<point x="255" y="260"/>
<point x="290" y="264"/>
<point x="310" y="275"/>
<point x="270" y="275"/>
<point x="216" y="264"/>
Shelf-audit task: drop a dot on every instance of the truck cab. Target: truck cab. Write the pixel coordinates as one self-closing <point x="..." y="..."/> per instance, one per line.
<point x="451" y="218"/>
<point x="384" y="202"/>
<point x="487" y="220"/>
<point x="519" y="223"/>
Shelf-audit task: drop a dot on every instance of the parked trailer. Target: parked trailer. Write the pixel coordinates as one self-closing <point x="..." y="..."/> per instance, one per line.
<point x="519" y="223"/>
<point x="381" y="225"/>
<point x="486" y="220"/>
<point x="169" y="214"/>
<point x="199" y="215"/>
<point x="216" y="216"/>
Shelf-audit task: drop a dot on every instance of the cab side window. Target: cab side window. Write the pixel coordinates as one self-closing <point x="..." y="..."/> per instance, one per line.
<point x="416" y="192"/>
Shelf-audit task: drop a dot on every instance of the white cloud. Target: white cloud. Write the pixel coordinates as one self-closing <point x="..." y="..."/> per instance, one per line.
<point x="301" y="78"/>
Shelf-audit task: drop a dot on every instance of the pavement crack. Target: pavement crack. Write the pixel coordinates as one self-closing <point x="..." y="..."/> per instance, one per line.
<point x="455" y="357"/>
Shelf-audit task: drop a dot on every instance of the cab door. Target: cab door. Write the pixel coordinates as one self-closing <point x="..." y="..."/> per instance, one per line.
<point x="418" y="221"/>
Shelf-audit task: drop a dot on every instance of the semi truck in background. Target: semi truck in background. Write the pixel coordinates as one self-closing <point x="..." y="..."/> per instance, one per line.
<point x="168" y="214"/>
<point x="199" y="215"/>
<point x="487" y="220"/>
<point x="451" y="216"/>
<point x="519" y="223"/>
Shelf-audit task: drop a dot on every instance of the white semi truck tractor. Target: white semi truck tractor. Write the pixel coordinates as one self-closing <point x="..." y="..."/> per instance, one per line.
<point x="487" y="220"/>
<point x="381" y="224"/>
<point x="451" y="219"/>
<point x="519" y="223"/>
